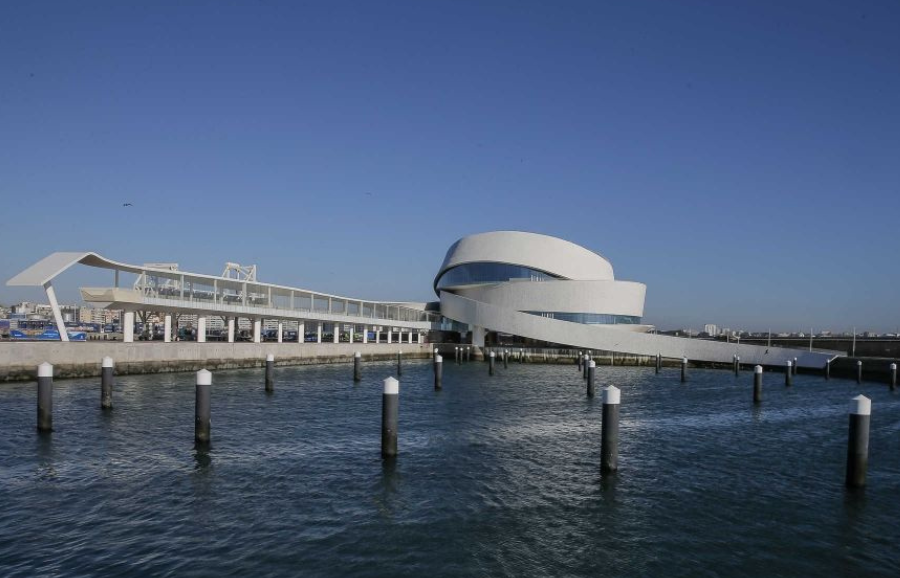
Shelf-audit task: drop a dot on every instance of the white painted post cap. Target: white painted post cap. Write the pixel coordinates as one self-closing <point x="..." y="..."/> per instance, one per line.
<point x="757" y="369"/>
<point x="439" y="359"/>
<point x="391" y="386"/>
<point x="107" y="362"/>
<point x="861" y="405"/>
<point x="357" y="354"/>
<point x="492" y="354"/>
<point x="738" y="357"/>
<point x="684" y="360"/>
<point x="435" y="349"/>
<point x="611" y="395"/>
<point x="893" y="367"/>
<point x="45" y="370"/>
<point x="592" y="363"/>
<point x="270" y="357"/>
<point x="859" y="363"/>
<point x="204" y="377"/>
<point x="790" y="363"/>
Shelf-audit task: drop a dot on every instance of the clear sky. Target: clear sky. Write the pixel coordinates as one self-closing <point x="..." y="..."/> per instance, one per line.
<point x="741" y="160"/>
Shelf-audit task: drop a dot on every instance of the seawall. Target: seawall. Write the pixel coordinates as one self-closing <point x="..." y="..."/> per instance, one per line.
<point x="19" y="361"/>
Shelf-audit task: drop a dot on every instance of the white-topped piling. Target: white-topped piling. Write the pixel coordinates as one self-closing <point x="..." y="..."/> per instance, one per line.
<point x="789" y="373"/>
<point x="684" y="364"/>
<point x="202" y="406"/>
<point x="399" y="363"/>
<point x="491" y="364"/>
<point x="658" y="362"/>
<point x="609" y="430"/>
<point x="106" y="382"/>
<point x="357" y="366"/>
<point x="827" y="370"/>
<point x="858" y="441"/>
<point x="893" y="376"/>
<point x="45" y="397"/>
<point x="592" y="370"/>
<point x="270" y="373"/>
<point x="438" y="373"/>
<point x="794" y="366"/>
<point x="757" y="384"/>
<point x="390" y="412"/>
<point x="585" y="365"/>
<point x="859" y="372"/>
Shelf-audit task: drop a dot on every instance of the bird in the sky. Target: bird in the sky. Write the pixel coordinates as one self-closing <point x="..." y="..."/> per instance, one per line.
<point x="127" y="205"/>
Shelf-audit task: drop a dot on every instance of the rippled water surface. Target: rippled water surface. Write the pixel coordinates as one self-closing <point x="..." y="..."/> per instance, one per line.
<point x="496" y="477"/>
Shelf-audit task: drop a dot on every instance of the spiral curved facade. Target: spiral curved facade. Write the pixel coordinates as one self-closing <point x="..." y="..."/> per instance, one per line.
<point x="538" y="275"/>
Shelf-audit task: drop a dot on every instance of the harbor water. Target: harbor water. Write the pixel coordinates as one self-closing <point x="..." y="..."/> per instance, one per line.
<point x="496" y="476"/>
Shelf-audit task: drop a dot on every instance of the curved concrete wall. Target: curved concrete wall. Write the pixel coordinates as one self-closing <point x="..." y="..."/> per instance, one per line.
<point x="609" y="297"/>
<point x="542" y="252"/>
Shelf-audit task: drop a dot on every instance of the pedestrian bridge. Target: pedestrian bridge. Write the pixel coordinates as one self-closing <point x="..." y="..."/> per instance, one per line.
<point x="162" y="288"/>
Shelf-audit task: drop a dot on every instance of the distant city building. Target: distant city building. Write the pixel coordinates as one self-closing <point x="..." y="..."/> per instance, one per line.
<point x="711" y="329"/>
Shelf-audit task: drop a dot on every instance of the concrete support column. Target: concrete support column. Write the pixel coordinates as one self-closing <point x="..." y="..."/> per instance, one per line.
<point x="336" y="333"/>
<point x="352" y="332"/>
<point x="127" y="327"/>
<point x="167" y="328"/>
<point x="478" y="334"/>
<point x="365" y="333"/>
<point x="301" y="332"/>
<point x="201" y="329"/>
<point x="231" y="321"/>
<point x="319" y="332"/>
<point x="377" y="335"/>
<point x="280" y="332"/>
<point x="389" y="336"/>
<point x="257" y="330"/>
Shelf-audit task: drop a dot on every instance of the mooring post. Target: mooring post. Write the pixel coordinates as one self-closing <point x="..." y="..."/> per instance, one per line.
<point x="858" y="441"/>
<point x="357" y="366"/>
<point x="592" y="369"/>
<point x="658" y="362"/>
<point x="468" y="353"/>
<point x="827" y="370"/>
<point x="587" y="362"/>
<point x="893" y="376"/>
<point x="106" y="382"/>
<point x="399" y="363"/>
<point x="737" y="365"/>
<point x="757" y="384"/>
<point x="45" y="397"/>
<point x="859" y="372"/>
<point x="609" y="430"/>
<point x="434" y="354"/>
<point x="390" y="411"/>
<point x="491" y="364"/>
<point x="506" y="359"/>
<point x="794" y="366"/>
<point x="684" y="363"/>
<point x="438" y="373"/>
<point x="579" y="360"/>
<point x="788" y="374"/>
<point x="270" y="372"/>
<point x="201" y="407"/>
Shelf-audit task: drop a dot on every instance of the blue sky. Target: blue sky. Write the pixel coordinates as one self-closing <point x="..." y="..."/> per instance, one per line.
<point x="743" y="160"/>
